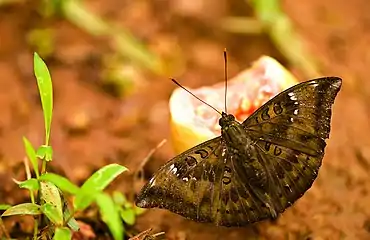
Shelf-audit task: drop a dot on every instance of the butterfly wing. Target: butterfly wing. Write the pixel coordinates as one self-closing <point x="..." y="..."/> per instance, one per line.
<point x="204" y="185"/>
<point x="289" y="133"/>
<point x="189" y="183"/>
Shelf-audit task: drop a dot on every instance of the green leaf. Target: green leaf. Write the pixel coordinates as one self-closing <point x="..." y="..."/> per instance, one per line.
<point x="96" y="183"/>
<point x="268" y="10"/>
<point x="5" y="206"/>
<point x="128" y="215"/>
<point x="31" y="154"/>
<point x="139" y="211"/>
<point x="110" y="215"/>
<point x="119" y="198"/>
<point x="45" y="152"/>
<point x="103" y="177"/>
<point x="61" y="182"/>
<point x="84" y="199"/>
<point x="52" y="213"/>
<point x="62" y="233"/>
<point x="50" y="194"/>
<point x="31" y="184"/>
<point x="23" y="209"/>
<point x="46" y="92"/>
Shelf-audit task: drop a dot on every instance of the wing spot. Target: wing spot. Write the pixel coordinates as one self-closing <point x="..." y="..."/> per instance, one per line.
<point x="314" y="84"/>
<point x="226" y="180"/>
<point x="223" y="152"/>
<point x="287" y="188"/>
<point x="265" y="114"/>
<point x="152" y="182"/>
<point x="257" y="120"/>
<point x="295" y="112"/>
<point x="277" y="151"/>
<point x="267" y="146"/>
<point x="203" y="153"/>
<point x="277" y="108"/>
<point x="173" y="169"/>
<point x="191" y="161"/>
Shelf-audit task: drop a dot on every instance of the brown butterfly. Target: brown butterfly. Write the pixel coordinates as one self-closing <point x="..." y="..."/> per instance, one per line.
<point x="255" y="169"/>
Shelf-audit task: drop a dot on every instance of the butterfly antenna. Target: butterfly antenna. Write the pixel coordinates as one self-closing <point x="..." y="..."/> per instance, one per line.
<point x="178" y="84"/>
<point x="225" y="60"/>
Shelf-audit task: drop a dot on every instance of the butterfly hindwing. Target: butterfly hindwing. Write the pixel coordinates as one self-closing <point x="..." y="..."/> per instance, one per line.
<point x="290" y="172"/>
<point x="241" y="203"/>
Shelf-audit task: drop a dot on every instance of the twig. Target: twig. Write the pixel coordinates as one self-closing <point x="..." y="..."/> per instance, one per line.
<point x="149" y="155"/>
<point x="4" y="231"/>
<point x="143" y="163"/>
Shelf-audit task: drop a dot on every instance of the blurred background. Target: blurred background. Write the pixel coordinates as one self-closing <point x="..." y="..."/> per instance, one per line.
<point x="111" y="61"/>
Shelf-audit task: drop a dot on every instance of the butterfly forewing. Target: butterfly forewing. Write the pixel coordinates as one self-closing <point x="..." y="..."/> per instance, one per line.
<point x="188" y="184"/>
<point x="272" y="162"/>
<point x="305" y="106"/>
<point x="290" y="130"/>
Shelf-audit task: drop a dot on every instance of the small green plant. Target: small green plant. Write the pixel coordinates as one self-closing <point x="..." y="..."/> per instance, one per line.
<point x="47" y="190"/>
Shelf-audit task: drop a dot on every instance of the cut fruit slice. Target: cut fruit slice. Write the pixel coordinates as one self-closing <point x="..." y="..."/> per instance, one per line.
<point x="192" y="122"/>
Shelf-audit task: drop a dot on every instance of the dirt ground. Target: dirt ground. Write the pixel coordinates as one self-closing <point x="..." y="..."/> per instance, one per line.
<point x="336" y="31"/>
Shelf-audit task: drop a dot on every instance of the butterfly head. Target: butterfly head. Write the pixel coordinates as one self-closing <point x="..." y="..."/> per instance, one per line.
<point x="226" y="119"/>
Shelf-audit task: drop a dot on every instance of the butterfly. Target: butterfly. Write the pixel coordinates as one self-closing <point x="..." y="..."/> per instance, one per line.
<point x="255" y="169"/>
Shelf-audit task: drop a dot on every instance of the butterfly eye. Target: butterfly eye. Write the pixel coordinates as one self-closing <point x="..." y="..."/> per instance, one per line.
<point x="231" y="117"/>
<point x="221" y="122"/>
